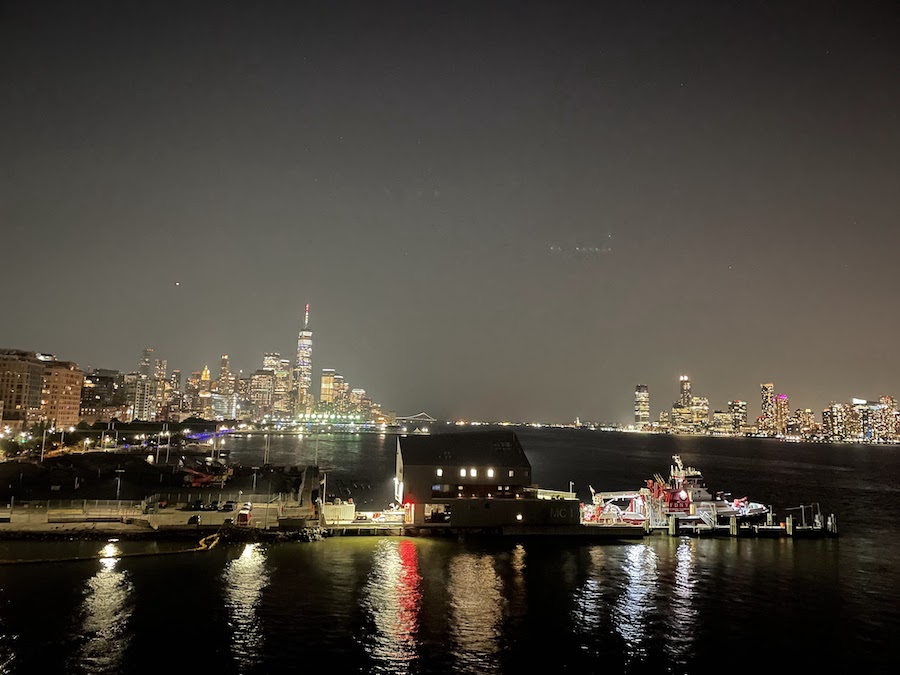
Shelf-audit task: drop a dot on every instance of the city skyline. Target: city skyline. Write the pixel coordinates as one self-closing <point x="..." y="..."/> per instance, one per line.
<point x="476" y="199"/>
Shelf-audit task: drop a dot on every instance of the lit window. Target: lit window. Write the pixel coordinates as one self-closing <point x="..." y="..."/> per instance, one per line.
<point x="473" y="472"/>
<point x="490" y="473"/>
<point x="462" y="472"/>
<point x="440" y="472"/>
<point x="511" y="473"/>
<point x="519" y="516"/>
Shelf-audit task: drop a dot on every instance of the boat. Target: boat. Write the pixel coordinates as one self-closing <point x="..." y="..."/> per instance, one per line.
<point x="686" y="495"/>
<point x="616" y="508"/>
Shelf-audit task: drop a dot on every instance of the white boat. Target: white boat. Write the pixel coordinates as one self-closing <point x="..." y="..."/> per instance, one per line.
<point x="686" y="495"/>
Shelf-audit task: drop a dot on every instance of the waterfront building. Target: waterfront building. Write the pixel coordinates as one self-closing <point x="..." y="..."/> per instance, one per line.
<point x="21" y="382"/>
<point x="699" y="413"/>
<point x="782" y="414"/>
<point x="722" y="423"/>
<point x="341" y="396"/>
<point x="834" y="422"/>
<point x="475" y="479"/>
<point x="886" y="419"/>
<point x="767" y="404"/>
<point x="738" y="411"/>
<point x="302" y="377"/>
<point x="641" y="405"/>
<point x="684" y="399"/>
<point x="61" y="392"/>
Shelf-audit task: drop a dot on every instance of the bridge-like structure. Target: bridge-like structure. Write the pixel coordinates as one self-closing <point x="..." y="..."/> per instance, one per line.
<point x="418" y="417"/>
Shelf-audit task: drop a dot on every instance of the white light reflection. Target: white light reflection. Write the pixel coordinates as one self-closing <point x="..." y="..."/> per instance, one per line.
<point x="477" y="608"/>
<point x="245" y="578"/>
<point x="392" y="598"/>
<point x="637" y="601"/>
<point x="682" y="615"/>
<point x="591" y="611"/>
<point x="105" y="612"/>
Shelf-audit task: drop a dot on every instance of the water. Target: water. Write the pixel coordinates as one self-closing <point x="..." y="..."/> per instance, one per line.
<point x="432" y="605"/>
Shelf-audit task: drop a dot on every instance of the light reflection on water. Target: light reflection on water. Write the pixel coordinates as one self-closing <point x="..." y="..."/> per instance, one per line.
<point x="245" y="578"/>
<point x="637" y="601"/>
<point x="477" y="607"/>
<point x="104" y="615"/>
<point x="392" y="599"/>
<point x="681" y="612"/>
<point x="591" y="610"/>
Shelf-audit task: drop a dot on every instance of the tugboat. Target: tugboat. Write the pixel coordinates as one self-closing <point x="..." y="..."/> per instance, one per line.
<point x="686" y="496"/>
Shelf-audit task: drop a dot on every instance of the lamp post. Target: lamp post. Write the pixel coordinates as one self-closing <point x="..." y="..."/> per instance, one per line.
<point x="119" y="473"/>
<point x="44" y="442"/>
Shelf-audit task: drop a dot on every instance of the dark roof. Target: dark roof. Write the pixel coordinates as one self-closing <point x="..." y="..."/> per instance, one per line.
<point x="473" y="447"/>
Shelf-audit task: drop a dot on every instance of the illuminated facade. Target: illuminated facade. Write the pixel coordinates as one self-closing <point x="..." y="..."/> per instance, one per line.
<point x="326" y="390"/>
<point x="302" y="377"/>
<point x="684" y="399"/>
<point x="61" y="393"/>
<point x="21" y="381"/>
<point x="738" y="412"/>
<point x="641" y="405"/>
<point x="782" y="414"/>
<point x="767" y="406"/>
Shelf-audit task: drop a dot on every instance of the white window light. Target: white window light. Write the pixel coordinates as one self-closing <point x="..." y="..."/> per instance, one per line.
<point x="490" y="473"/>
<point x="462" y="472"/>
<point x="511" y="473"/>
<point x="440" y="472"/>
<point x="473" y="472"/>
<point x="519" y="517"/>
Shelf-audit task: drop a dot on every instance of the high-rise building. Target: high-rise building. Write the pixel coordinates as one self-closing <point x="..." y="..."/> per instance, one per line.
<point x="61" y="393"/>
<point x="262" y="391"/>
<point x="281" y="403"/>
<point x="782" y="413"/>
<point x="144" y="367"/>
<point x="684" y="400"/>
<point x="138" y="397"/>
<point x="21" y="382"/>
<point x="699" y="413"/>
<point x="641" y="405"/>
<point x="326" y="390"/>
<point x="767" y="405"/>
<point x="271" y="360"/>
<point x="738" y="412"/>
<point x="302" y="376"/>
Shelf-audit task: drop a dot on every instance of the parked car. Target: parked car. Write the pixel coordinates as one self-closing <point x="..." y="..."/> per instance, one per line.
<point x="212" y="506"/>
<point x="228" y="506"/>
<point x="248" y="506"/>
<point x="194" y="520"/>
<point x="228" y="522"/>
<point x="196" y="505"/>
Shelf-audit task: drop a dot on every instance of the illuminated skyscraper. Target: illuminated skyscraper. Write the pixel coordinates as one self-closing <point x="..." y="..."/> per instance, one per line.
<point x="144" y="368"/>
<point x="684" y="400"/>
<point x="326" y="392"/>
<point x="271" y="360"/>
<point x="302" y="378"/>
<point x="738" y="412"/>
<point x="782" y="413"/>
<point x="767" y="405"/>
<point x="641" y="405"/>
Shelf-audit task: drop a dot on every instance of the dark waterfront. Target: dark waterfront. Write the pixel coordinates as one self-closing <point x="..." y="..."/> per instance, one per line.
<point x="359" y="604"/>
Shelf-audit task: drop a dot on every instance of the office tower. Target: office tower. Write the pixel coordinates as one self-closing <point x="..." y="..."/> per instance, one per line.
<point x="782" y="413"/>
<point x="262" y="391"/>
<point x="271" y="361"/>
<point x="699" y="413"/>
<point x="738" y="412"/>
<point x="834" y="422"/>
<point x="641" y="405"/>
<point x="144" y="367"/>
<point x="722" y="423"/>
<point x="302" y="376"/>
<point x="326" y="390"/>
<point x="281" y="402"/>
<point x="684" y="400"/>
<point x="205" y="384"/>
<point x="767" y="405"/>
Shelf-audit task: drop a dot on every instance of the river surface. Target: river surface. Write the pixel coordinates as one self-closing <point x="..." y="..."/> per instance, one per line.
<point x="432" y="605"/>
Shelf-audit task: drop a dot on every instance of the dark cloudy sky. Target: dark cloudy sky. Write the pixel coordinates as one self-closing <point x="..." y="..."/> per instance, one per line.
<point x="428" y="176"/>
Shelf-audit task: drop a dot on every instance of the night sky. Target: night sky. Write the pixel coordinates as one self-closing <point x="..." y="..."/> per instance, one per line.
<point x="496" y="210"/>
